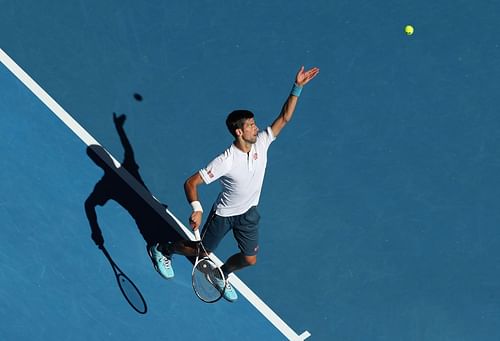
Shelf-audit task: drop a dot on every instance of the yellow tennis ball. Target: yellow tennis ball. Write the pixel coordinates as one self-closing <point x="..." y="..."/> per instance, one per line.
<point x="409" y="30"/>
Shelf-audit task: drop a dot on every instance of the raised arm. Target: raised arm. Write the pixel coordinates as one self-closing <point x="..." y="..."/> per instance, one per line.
<point x="119" y="122"/>
<point x="302" y="78"/>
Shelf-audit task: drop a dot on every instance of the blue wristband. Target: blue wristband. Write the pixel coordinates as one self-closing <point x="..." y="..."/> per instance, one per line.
<point x="296" y="90"/>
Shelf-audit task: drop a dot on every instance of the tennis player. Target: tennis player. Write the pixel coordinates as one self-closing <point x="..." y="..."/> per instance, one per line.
<point x="240" y="169"/>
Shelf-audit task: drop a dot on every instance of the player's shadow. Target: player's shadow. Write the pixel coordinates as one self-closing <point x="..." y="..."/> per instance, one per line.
<point x="125" y="185"/>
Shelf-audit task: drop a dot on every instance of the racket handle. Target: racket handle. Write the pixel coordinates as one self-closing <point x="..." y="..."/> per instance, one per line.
<point x="197" y="235"/>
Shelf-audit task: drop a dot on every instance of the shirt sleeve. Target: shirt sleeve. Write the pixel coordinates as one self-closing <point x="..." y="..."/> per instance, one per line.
<point x="217" y="168"/>
<point x="266" y="137"/>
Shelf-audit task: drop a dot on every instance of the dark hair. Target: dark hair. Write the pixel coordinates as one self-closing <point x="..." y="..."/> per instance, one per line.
<point x="236" y="120"/>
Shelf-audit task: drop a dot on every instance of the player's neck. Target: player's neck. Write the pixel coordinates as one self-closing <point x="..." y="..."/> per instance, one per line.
<point x="242" y="145"/>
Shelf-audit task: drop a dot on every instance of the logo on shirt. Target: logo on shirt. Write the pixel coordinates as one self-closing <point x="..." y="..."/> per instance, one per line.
<point x="210" y="174"/>
<point x="255" y="156"/>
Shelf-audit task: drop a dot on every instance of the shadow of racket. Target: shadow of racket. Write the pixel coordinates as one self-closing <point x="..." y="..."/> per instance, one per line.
<point x="127" y="287"/>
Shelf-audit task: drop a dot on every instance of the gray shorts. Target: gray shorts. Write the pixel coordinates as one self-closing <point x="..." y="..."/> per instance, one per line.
<point x="245" y="230"/>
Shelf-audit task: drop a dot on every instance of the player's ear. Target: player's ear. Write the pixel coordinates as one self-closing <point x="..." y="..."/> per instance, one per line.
<point x="239" y="132"/>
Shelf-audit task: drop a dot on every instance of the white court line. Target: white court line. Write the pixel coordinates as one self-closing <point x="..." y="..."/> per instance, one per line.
<point x="71" y="123"/>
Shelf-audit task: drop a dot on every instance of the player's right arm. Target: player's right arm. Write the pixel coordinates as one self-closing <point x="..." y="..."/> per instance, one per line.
<point x="216" y="168"/>
<point x="191" y="191"/>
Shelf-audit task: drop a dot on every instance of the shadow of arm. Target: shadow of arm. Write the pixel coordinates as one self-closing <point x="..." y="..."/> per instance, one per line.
<point x="96" y="232"/>
<point x="129" y="152"/>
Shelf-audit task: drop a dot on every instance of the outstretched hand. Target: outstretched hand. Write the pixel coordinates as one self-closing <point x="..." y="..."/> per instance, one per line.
<point x="303" y="77"/>
<point x="119" y="120"/>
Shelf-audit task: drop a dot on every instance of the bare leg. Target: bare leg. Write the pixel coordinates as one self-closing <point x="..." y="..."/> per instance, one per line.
<point x="189" y="248"/>
<point x="182" y="247"/>
<point x="237" y="262"/>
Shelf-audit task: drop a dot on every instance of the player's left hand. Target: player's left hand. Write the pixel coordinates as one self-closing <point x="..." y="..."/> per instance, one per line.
<point x="303" y="77"/>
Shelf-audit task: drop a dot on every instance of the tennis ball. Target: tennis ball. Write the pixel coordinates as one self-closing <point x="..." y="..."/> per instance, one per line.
<point x="409" y="30"/>
<point x="137" y="97"/>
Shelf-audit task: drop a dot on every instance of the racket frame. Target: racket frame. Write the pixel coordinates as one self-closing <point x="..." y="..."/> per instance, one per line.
<point x="205" y="258"/>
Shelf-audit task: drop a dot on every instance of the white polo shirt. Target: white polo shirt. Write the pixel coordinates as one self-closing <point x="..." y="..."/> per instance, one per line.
<point x="241" y="175"/>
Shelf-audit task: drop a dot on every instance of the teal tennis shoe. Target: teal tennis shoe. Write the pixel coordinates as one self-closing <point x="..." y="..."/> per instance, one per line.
<point x="161" y="263"/>
<point x="229" y="292"/>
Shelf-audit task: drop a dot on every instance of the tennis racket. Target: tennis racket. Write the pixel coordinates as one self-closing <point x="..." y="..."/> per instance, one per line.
<point x="127" y="287"/>
<point x="208" y="279"/>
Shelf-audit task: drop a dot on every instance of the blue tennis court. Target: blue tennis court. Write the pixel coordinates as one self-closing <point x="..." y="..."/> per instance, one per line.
<point x="380" y="203"/>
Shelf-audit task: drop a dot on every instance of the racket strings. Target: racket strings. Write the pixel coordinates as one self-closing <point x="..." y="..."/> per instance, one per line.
<point x="209" y="282"/>
<point x="132" y="294"/>
<point x="208" y="266"/>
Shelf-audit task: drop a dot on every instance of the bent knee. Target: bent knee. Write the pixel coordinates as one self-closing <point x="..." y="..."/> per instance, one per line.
<point x="251" y="260"/>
